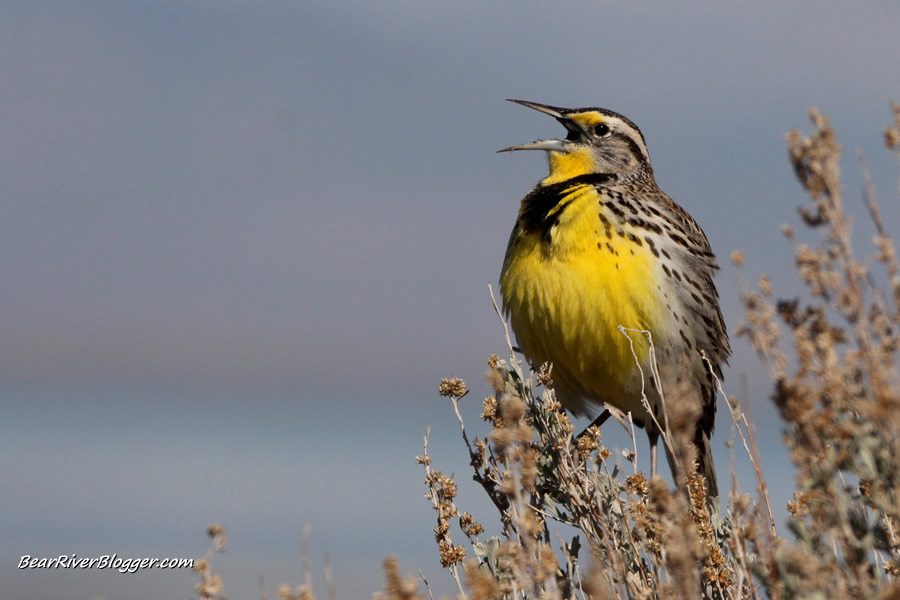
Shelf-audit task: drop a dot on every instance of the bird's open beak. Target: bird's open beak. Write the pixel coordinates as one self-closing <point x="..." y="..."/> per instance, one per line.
<point x="553" y="111"/>
<point x="557" y="145"/>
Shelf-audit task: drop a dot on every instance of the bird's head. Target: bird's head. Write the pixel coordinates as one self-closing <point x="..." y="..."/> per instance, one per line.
<point x="598" y="141"/>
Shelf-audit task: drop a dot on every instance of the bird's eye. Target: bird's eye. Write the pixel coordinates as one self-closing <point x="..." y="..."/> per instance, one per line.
<point x="601" y="129"/>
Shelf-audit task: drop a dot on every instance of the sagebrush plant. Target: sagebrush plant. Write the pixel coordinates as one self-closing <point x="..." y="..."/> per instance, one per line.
<point x="576" y="522"/>
<point x="836" y="390"/>
<point x="210" y="586"/>
<point x="840" y="399"/>
<point x="649" y="539"/>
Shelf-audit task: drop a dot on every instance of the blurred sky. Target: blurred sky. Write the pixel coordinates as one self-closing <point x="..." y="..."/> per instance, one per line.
<point x="240" y="243"/>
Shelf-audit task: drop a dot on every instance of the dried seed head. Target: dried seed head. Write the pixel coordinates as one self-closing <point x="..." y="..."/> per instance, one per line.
<point x="637" y="485"/>
<point x="454" y="387"/>
<point x="210" y="587"/>
<point x="480" y="582"/>
<point x="586" y="444"/>
<point x="512" y="409"/>
<point x="469" y="525"/>
<point x="451" y="554"/>
<point x="496" y="381"/>
<point x="544" y="375"/>
<point x="395" y="587"/>
<point x="201" y="565"/>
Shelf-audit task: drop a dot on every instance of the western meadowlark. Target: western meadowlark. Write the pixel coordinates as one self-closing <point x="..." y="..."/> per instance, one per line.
<point x="597" y="245"/>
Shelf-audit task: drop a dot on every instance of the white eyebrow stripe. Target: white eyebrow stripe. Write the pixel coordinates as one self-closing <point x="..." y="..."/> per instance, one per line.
<point x="633" y="134"/>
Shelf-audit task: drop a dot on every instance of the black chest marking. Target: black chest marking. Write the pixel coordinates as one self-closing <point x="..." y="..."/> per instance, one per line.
<point x="536" y="206"/>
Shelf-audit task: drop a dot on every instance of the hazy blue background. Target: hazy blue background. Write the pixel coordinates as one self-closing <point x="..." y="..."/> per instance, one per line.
<point x="240" y="242"/>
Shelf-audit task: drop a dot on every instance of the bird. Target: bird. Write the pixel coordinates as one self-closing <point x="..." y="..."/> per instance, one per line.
<point x="597" y="246"/>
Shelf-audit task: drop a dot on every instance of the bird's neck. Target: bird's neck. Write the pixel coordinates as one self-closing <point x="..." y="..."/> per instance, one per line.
<point x="566" y="165"/>
<point x="580" y="163"/>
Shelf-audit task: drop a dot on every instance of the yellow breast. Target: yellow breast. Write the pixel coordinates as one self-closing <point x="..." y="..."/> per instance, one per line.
<point x="567" y="289"/>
